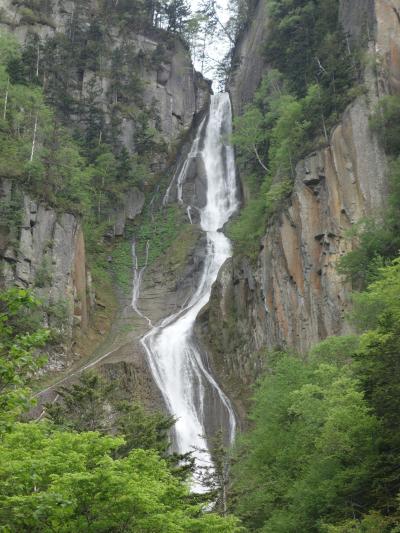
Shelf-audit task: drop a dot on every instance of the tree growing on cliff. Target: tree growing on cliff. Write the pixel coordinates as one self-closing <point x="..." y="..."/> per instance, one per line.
<point x="92" y="404"/>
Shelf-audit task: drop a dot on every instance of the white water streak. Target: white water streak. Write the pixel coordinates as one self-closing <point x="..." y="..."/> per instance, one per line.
<point x="173" y="354"/>
<point x="189" y="214"/>
<point x="181" y="173"/>
<point x="137" y="280"/>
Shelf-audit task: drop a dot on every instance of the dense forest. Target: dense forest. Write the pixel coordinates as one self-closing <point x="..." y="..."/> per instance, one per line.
<point x="320" y="451"/>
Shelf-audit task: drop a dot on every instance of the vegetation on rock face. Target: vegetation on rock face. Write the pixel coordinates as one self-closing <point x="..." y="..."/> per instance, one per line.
<point x="310" y="82"/>
<point x="379" y="240"/>
<point x="324" y="449"/>
<point x="20" y="336"/>
<point x="93" y="404"/>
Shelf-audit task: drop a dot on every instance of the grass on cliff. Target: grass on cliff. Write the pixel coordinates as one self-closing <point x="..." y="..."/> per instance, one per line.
<point x="166" y="231"/>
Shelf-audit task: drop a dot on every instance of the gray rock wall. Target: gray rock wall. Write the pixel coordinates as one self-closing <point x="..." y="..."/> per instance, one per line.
<point x="173" y="89"/>
<point x="47" y="254"/>
<point x="249" y="59"/>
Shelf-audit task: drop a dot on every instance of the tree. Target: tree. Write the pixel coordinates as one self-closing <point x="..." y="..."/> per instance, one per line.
<point x="251" y="134"/>
<point x="310" y="455"/>
<point x="377" y="310"/>
<point x="53" y="480"/>
<point x="177" y="13"/>
<point x="386" y="123"/>
<point x="92" y="404"/>
<point x="20" y="337"/>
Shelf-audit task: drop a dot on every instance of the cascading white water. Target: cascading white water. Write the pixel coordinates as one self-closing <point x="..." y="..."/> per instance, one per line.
<point x="174" y="357"/>
<point x="137" y="280"/>
<point x="181" y="173"/>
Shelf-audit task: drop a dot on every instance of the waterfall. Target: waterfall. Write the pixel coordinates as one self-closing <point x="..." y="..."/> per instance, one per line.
<point x="181" y="173"/>
<point x="174" y="356"/>
<point x="137" y="280"/>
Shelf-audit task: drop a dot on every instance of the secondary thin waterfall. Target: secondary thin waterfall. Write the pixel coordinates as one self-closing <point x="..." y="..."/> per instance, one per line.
<point x="173" y="353"/>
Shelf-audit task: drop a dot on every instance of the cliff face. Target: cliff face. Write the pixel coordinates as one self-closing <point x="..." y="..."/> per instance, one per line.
<point x="294" y="297"/>
<point x="47" y="254"/>
<point x="171" y="86"/>
<point x="45" y="249"/>
<point x="248" y="59"/>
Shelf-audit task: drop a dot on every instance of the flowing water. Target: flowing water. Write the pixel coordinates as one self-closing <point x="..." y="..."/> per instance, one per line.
<point x="176" y="362"/>
<point x="137" y="279"/>
<point x="181" y="173"/>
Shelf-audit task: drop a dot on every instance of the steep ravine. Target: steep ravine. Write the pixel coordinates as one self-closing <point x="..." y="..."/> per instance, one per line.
<point x="293" y="296"/>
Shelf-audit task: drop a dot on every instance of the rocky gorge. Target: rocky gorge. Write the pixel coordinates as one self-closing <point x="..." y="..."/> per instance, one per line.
<point x="199" y="290"/>
<point x="292" y="295"/>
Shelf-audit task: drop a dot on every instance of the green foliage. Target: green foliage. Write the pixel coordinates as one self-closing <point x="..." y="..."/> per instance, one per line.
<point x="11" y="212"/>
<point x="306" y="44"/>
<point x="92" y="404"/>
<point x="160" y="229"/>
<point x="311" y="450"/>
<point x="375" y="243"/>
<point x="386" y="123"/>
<point x="377" y="364"/>
<point x="246" y="230"/>
<point x="122" y="265"/>
<point x="323" y="451"/>
<point x="35" y="150"/>
<point x="18" y="358"/>
<point x="43" y="274"/>
<point x="54" y="480"/>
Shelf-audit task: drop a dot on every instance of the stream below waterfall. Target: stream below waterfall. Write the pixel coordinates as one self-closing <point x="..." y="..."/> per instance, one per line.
<point x="179" y="368"/>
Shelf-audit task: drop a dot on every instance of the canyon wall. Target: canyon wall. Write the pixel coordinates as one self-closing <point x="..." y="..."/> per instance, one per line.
<point x="294" y="297"/>
<point x="171" y="85"/>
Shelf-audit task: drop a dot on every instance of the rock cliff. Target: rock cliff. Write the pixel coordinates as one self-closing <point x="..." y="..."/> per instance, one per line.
<point x="172" y="88"/>
<point x="294" y="296"/>
<point x="45" y="249"/>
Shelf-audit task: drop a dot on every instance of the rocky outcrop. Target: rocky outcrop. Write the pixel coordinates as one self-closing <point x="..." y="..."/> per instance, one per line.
<point x="132" y="207"/>
<point x="249" y="59"/>
<point x="358" y="18"/>
<point x="47" y="254"/>
<point x="172" y="91"/>
<point x="294" y="297"/>
<point x="387" y="46"/>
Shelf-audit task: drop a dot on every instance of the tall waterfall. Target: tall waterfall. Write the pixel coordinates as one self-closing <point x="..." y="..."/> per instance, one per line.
<point x="174" y="356"/>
